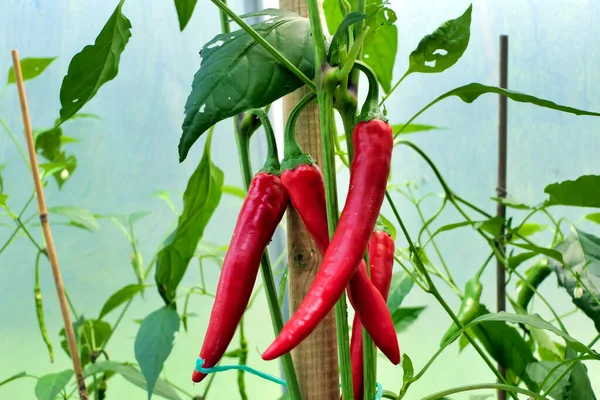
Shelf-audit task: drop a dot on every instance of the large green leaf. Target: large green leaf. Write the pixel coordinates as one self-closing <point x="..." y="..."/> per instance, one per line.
<point x="50" y="385"/>
<point x="574" y="385"/>
<point x="403" y="317"/>
<point x="95" y="65"/>
<point x="379" y="53"/>
<point x="582" y="192"/>
<point x="333" y="15"/>
<point x="185" y="9"/>
<point x="134" y="376"/>
<point x="201" y="198"/>
<point x="579" y="383"/>
<point x="400" y="286"/>
<point x="48" y="142"/>
<point x="581" y="253"/>
<point x="471" y="92"/>
<point x="154" y="342"/>
<point x="237" y="74"/>
<point x="119" y="297"/>
<point x="444" y="47"/>
<point x="30" y="68"/>
<point x="79" y="217"/>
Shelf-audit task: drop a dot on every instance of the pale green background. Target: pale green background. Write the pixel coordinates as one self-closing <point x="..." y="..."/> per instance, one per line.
<point x="132" y="151"/>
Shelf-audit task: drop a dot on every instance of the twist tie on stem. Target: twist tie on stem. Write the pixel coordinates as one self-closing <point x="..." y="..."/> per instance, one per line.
<point x="250" y="370"/>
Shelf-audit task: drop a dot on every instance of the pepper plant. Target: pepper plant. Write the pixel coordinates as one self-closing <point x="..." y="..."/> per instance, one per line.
<point x="358" y="243"/>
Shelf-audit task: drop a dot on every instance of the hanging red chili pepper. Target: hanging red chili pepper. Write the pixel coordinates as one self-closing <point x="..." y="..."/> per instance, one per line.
<point x="261" y="212"/>
<point x="381" y="261"/>
<point x="373" y="143"/>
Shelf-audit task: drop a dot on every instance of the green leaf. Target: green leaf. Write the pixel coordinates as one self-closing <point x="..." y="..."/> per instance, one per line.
<point x="407" y="368"/>
<point x="400" y="286"/>
<point x="595" y="217"/>
<point x="48" y="143"/>
<point x="95" y="65"/>
<point x="412" y="128"/>
<point x="234" y="191"/>
<point x="379" y="53"/>
<point x="87" y="331"/>
<point x="389" y="226"/>
<point x="30" y="68"/>
<point x="119" y="297"/>
<point x="3" y="198"/>
<point x="79" y="217"/>
<point x="551" y="253"/>
<point x="13" y="378"/>
<point x="512" y="203"/>
<point x="471" y="92"/>
<point x="538" y="371"/>
<point x="2" y="166"/>
<point x="237" y="74"/>
<point x="582" y="192"/>
<point x="50" y="385"/>
<point x="56" y="168"/>
<point x="515" y="261"/>
<point x="579" y="383"/>
<point x="581" y="253"/>
<point x="154" y="342"/>
<point x="341" y="35"/>
<point x="134" y="376"/>
<point x="529" y="229"/>
<point x="443" y="47"/>
<point x="201" y="198"/>
<point x="538" y="322"/>
<point x="403" y="317"/>
<point x="333" y="15"/>
<point x="185" y="9"/>
<point x="491" y="226"/>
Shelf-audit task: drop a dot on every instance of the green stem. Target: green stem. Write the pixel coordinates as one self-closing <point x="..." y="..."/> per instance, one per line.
<point x="225" y="28"/>
<point x="293" y="155"/>
<point x="272" y="50"/>
<point x="392" y="91"/>
<point x="361" y="7"/>
<point x="243" y="360"/>
<point x="498" y="386"/>
<point x="370" y="109"/>
<point x="272" y="162"/>
<point x="17" y="145"/>
<point x="325" y="88"/>
<point x="436" y="293"/>
<point x="353" y="54"/>
<point x="243" y="141"/>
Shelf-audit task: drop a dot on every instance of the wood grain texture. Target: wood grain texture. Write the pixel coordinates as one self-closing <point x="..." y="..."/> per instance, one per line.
<point x="316" y="358"/>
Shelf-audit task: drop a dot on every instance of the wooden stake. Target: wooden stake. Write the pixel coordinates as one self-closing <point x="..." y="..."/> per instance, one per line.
<point x="501" y="188"/>
<point x="316" y="358"/>
<point x="43" y="213"/>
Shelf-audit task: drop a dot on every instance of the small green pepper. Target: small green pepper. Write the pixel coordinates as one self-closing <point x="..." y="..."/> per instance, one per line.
<point x="534" y="276"/>
<point x="468" y="308"/>
<point x="39" y="308"/>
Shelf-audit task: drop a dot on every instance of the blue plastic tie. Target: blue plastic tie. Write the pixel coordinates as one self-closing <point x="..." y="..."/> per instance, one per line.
<point x="201" y="369"/>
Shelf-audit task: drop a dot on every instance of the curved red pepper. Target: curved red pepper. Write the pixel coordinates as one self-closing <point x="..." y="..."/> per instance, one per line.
<point x="369" y="171"/>
<point x="261" y="212"/>
<point x="381" y="260"/>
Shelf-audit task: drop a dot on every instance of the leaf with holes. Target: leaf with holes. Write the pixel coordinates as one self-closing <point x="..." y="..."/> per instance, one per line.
<point x="50" y="385"/>
<point x="443" y="47"/>
<point x="30" y="68"/>
<point x="95" y="65"/>
<point x="79" y="217"/>
<point x="581" y="254"/>
<point x="154" y="342"/>
<point x="237" y="74"/>
<point x="582" y="192"/>
<point x="200" y="200"/>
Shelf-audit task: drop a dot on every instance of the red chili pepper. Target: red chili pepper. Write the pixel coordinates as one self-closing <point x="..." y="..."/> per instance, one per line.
<point x="260" y="214"/>
<point x="381" y="260"/>
<point x="373" y="143"/>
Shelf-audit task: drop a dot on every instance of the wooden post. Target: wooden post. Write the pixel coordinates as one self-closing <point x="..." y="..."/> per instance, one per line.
<point x="316" y="358"/>
<point x="501" y="188"/>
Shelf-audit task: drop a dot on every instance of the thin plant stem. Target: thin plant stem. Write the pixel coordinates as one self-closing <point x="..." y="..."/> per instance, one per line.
<point x="353" y="54"/>
<point x="243" y="360"/>
<point x="498" y="386"/>
<point x="14" y="139"/>
<point x="272" y="50"/>
<point x="394" y="88"/>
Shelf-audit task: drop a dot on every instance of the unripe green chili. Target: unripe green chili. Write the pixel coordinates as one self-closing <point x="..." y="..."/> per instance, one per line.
<point x="39" y="307"/>
<point x="469" y="308"/>
<point x="534" y="276"/>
